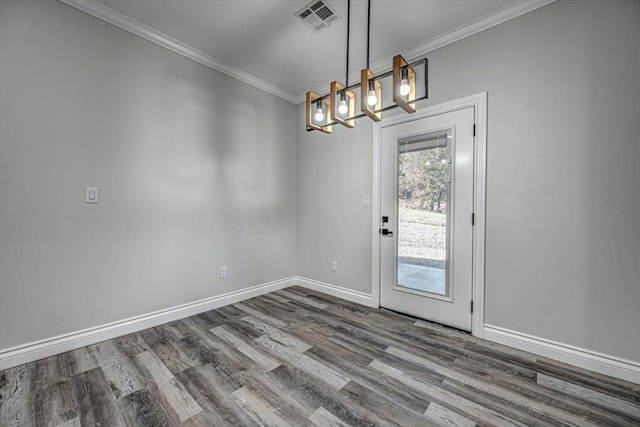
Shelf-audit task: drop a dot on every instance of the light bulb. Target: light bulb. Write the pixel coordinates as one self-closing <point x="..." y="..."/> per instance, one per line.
<point x="405" y="89"/>
<point x="444" y="161"/>
<point x="343" y="108"/>
<point x="372" y="98"/>
<point x="319" y="113"/>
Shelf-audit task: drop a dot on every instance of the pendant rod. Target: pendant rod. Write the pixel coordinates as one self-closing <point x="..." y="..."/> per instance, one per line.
<point x="348" y="25"/>
<point x="368" y="29"/>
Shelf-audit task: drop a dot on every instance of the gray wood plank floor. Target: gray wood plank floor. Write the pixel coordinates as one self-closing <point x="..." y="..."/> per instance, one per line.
<point x="301" y="358"/>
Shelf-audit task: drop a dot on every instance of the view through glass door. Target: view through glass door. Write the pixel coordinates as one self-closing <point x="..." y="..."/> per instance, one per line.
<point x="423" y="194"/>
<point x="426" y="232"/>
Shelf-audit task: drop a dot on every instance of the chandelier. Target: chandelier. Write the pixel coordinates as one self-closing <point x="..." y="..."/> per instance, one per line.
<point x="339" y="105"/>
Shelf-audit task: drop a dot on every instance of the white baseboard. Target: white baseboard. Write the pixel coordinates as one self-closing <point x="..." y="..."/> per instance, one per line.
<point x="602" y="363"/>
<point x="30" y="352"/>
<point x="336" y="291"/>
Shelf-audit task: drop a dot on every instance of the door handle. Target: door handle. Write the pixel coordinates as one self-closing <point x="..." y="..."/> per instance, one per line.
<point x="386" y="232"/>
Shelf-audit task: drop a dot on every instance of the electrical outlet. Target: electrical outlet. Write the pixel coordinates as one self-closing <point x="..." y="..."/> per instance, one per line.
<point x="366" y="202"/>
<point x="223" y="272"/>
<point x="92" y="195"/>
<point x="334" y="266"/>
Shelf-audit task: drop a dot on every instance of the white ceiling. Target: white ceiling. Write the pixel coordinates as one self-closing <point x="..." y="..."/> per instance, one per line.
<point x="264" y="39"/>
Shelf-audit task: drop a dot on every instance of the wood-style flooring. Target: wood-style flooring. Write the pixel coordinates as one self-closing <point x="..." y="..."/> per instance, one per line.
<point x="297" y="357"/>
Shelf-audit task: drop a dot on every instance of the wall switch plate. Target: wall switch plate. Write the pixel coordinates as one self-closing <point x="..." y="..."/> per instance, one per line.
<point x="223" y="272"/>
<point x="366" y="202"/>
<point x="334" y="266"/>
<point x="92" y="195"/>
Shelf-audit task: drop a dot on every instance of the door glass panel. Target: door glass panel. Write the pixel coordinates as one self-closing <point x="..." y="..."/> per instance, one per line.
<point x="423" y="213"/>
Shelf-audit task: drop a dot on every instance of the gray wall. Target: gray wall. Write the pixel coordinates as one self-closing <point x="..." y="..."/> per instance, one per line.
<point x="563" y="190"/>
<point x="195" y="169"/>
<point x="334" y="175"/>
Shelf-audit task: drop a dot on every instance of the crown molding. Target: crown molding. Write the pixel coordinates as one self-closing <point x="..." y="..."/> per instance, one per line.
<point x="474" y="27"/>
<point x="488" y="21"/>
<point x="109" y="15"/>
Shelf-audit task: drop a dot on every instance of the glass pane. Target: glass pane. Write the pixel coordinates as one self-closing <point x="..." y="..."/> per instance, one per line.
<point x="423" y="196"/>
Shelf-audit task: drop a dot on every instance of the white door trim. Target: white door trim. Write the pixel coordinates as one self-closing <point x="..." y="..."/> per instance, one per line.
<point x="479" y="103"/>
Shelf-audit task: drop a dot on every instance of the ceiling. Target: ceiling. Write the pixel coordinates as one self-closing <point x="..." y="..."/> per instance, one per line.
<point x="264" y="42"/>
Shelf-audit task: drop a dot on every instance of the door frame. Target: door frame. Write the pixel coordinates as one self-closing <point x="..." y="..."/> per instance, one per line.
<point x="479" y="103"/>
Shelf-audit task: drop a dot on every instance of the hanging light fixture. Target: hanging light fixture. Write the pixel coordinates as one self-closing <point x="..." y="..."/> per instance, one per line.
<point x="345" y="99"/>
<point x="371" y="89"/>
<point x="404" y="84"/>
<point x="338" y="107"/>
<point x="318" y="117"/>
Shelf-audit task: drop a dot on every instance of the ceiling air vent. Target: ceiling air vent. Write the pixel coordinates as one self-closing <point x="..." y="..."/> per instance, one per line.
<point x="318" y="15"/>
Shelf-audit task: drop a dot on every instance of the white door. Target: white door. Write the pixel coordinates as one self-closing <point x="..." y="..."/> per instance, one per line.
<point x="426" y="230"/>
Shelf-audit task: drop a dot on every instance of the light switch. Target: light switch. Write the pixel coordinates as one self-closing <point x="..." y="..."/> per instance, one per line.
<point x="91" y="195"/>
<point x="366" y="201"/>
